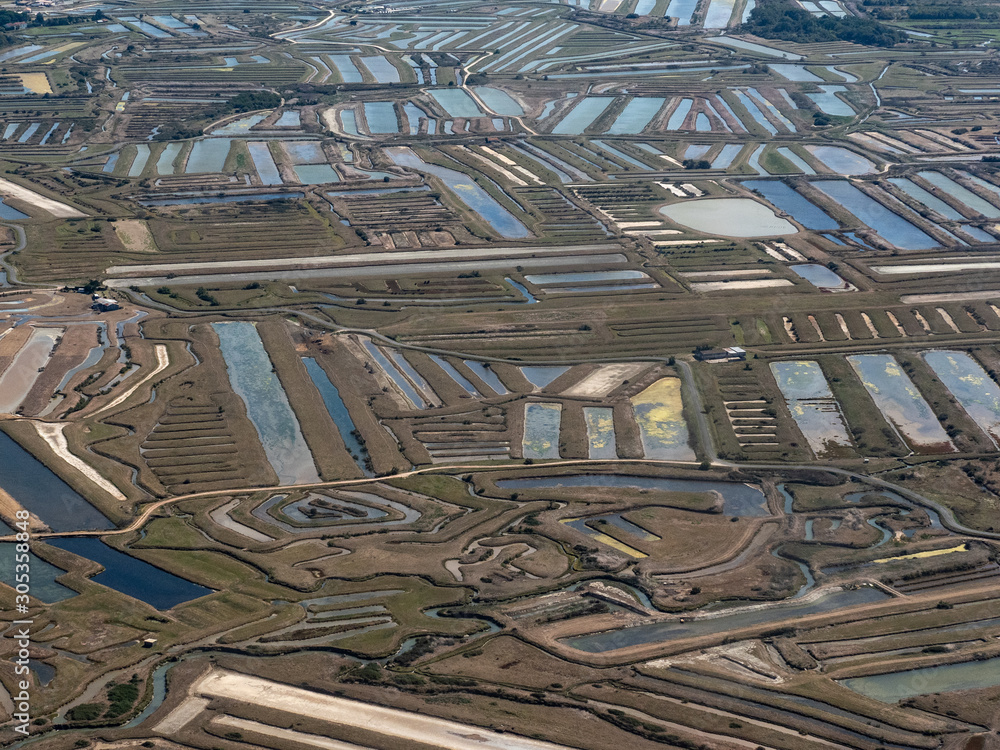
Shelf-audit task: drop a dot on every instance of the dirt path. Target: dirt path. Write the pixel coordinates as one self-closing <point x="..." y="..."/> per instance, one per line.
<point x="52" y="433"/>
<point x="162" y="363"/>
<point x="405" y="726"/>
<point x="54" y="207"/>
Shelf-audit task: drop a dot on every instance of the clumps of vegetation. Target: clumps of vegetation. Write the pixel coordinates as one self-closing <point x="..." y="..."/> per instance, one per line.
<point x="697" y="164"/>
<point x="248" y="101"/>
<point x="85" y="712"/>
<point x="596" y="607"/>
<point x="205" y="296"/>
<point x="779" y="19"/>
<point x="245" y="101"/>
<point x="121" y="698"/>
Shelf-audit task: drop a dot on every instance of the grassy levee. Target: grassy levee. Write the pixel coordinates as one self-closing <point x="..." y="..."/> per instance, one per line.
<point x="321" y="434"/>
<point x="966" y="434"/>
<point x="700" y="720"/>
<point x="871" y="432"/>
<point x="356" y="388"/>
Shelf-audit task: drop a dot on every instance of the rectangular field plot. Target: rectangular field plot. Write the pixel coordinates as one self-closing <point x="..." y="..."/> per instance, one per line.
<point x="812" y="404"/>
<point x="541" y="430"/>
<point x="600" y="431"/>
<point x="968" y="382"/>
<point x="659" y="414"/>
<point x="253" y="379"/>
<point x="900" y="402"/>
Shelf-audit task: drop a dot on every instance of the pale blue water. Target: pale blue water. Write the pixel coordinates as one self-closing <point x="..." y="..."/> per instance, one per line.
<point x="499" y="101"/>
<point x="969" y="383"/>
<point x="457" y="103"/>
<point x="267" y="170"/>
<point x="348" y="71"/>
<point x="304" y="152"/>
<point x="812" y="405"/>
<point x="682" y="10"/>
<point x="241" y="126"/>
<point x="738" y="499"/>
<point x="726" y="156"/>
<point x="679" y="114"/>
<point x="9" y="213"/>
<point x="797" y="73"/>
<point x="795" y="159"/>
<point x="582" y="115"/>
<point x="819" y="276"/>
<point x="570" y="277"/>
<point x="467" y="191"/>
<point x="898" y="399"/>
<point x="455" y="375"/>
<point x="783" y="197"/>
<point x="622" y="155"/>
<point x="165" y="162"/>
<point x="528" y="297"/>
<point x="413" y="114"/>
<point x="601" y="440"/>
<point x="841" y="160"/>
<point x="48" y="134"/>
<point x="667" y="631"/>
<point x="487" y="375"/>
<point x="208" y="155"/>
<point x="18" y="51"/>
<point x="541" y="431"/>
<point x="928" y="199"/>
<point x="383" y="70"/>
<point x="540" y="376"/>
<point x="252" y="377"/>
<point x="963" y="195"/>
<point x="753" y="47"/>
<point x="288" y="119"/>
<point x="974" y="232"/>
<point x="397" y="377"/>
<point x="381" y="117"/>
<point x="636" y="115"/>
<point x="170" y="22"/>
<point x="146" y="28"/>
<point x="337" y="409"/>
<point x="139" y="163"/>
<point x="895" y="229"/>
<point x="893" y="687"/>
<point x="828" y="101"/>
<point x="755" y="112"/>
<point x="32" y="128"/>
<point x="316" y="174"/>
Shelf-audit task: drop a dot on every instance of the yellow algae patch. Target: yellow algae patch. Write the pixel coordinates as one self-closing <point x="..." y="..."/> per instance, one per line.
<point x="608" y="540"/>
<point x="659" y="414"/>
<point x="36" y="83"/>
<point x="620" y="546"/>
<point x="600" y="432"/>
<point x="928" y="553"/>
<point x="135" y="236"/>
<point x="55" y="52"/>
